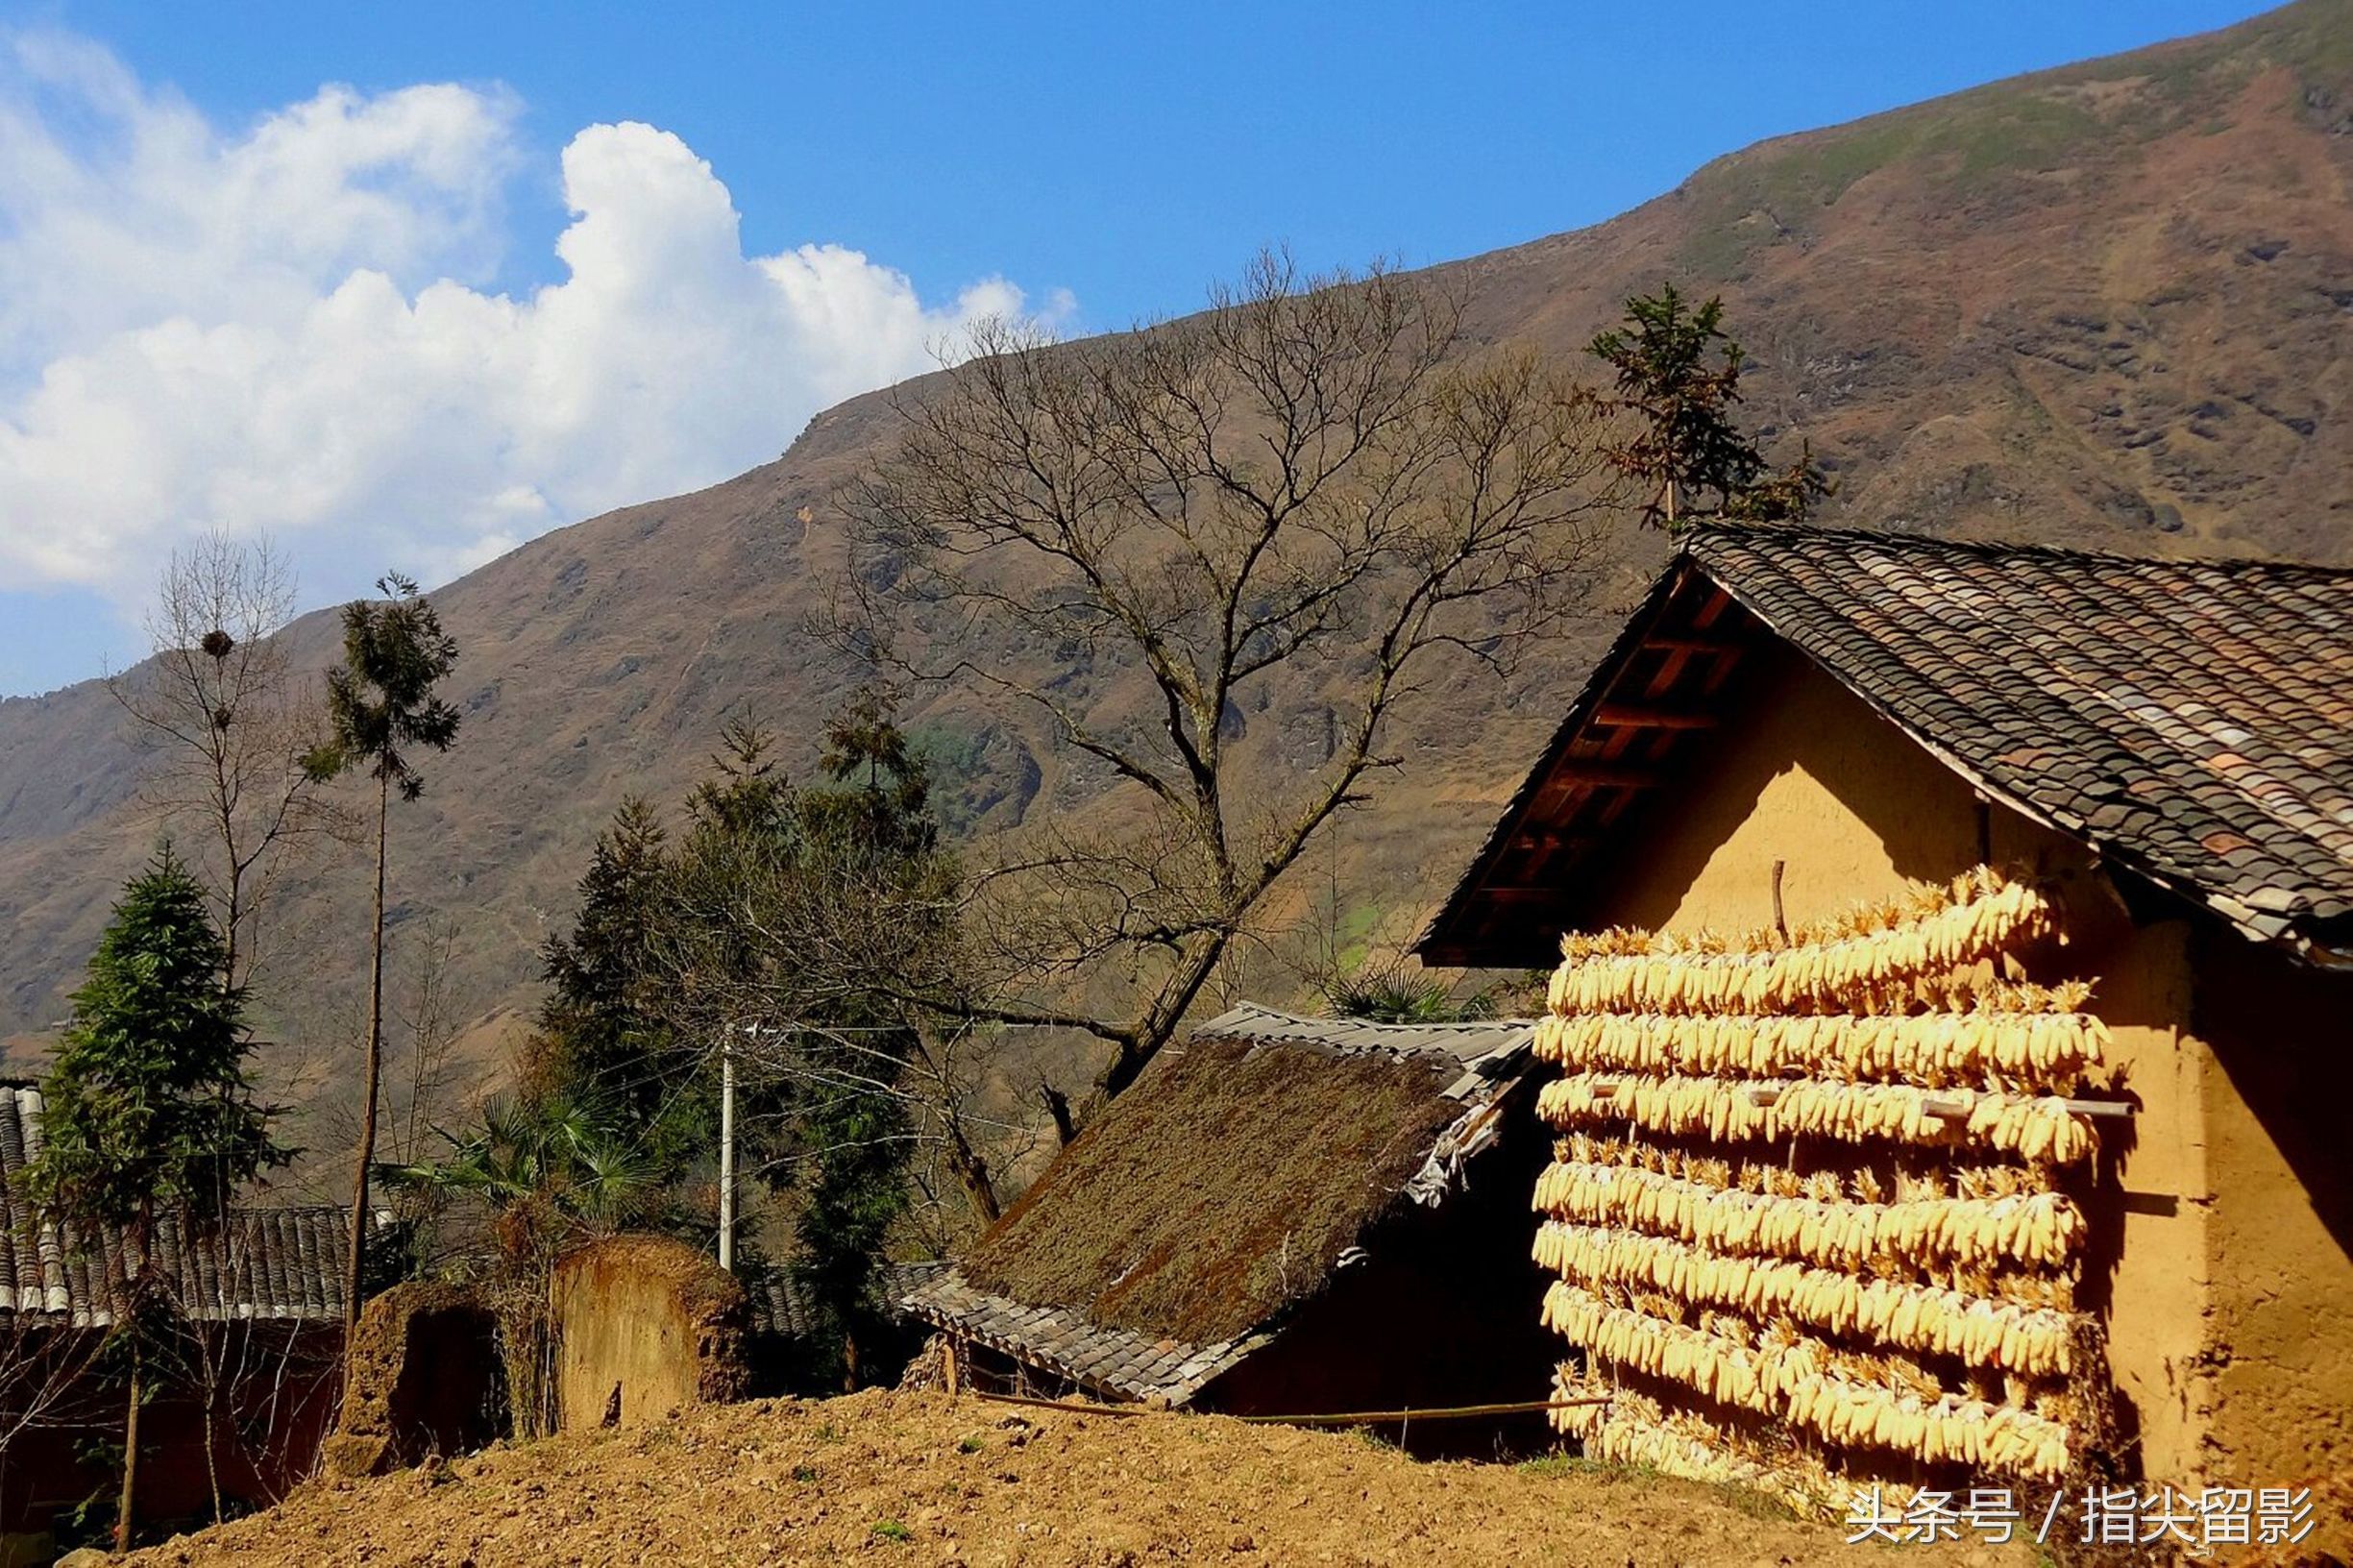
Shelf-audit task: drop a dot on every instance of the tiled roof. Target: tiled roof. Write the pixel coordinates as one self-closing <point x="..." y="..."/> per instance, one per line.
<point x="782" y="1304"/>
<point x="2192" y="720"/>
<point x="2193" y="716"/>
<point x="1120" y="1362"/>
<point x="1138" y="1185"/>
<point x="261" y="1264"/>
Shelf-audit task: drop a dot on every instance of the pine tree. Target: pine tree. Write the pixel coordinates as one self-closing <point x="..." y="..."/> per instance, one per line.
<point x="380" y="704"/>
<point x="147" y="1113"/>
<point x="1678" y="377"/>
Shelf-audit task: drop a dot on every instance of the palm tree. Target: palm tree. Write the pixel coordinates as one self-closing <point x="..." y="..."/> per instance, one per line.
<point x="545" y="1173"/>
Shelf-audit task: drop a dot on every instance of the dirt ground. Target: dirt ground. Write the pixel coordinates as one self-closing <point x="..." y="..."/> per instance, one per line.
<point x="919" y="1478"/>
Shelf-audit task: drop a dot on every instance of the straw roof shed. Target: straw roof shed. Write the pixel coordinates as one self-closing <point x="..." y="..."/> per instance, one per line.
<point x="1283" y="1213"/>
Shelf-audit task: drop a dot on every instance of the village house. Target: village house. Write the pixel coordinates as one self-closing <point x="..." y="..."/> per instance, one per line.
<point x="262" y="1298"/>
<point x="1794" y="720"/>
<point x="1282" y="1216"/>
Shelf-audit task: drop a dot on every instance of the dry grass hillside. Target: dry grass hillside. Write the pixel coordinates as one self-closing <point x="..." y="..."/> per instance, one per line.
<point x="2106" y="305"/>
<point x="887" y="1478"/>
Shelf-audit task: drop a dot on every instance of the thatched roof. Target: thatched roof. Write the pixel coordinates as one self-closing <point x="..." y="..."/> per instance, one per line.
<point x="1221" y="1190"/>
<point x="2191" y="720"/>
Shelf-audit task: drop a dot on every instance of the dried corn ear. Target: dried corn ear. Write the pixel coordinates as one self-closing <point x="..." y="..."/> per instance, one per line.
<point x="1812" y="1389"/>
<point x="2041" y="1051"/>
<point x="2040" y="1229"/>
<point x="1633" y="1429"/>
<point x="2031" y="1341"/>
<point x="1626" y="973"/>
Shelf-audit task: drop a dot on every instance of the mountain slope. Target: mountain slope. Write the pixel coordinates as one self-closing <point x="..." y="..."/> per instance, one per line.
<point x="2108" y="305"/>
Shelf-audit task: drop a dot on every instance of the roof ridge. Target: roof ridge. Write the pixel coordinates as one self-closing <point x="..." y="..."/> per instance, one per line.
<point x="1346" y="1020"/>
<point x="1694" y="537"/>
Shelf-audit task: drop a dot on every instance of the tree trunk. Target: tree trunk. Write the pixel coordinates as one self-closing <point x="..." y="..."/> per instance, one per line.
<point x="228" y="937"/>
<point x="213" y="1463"/>
<point x="131" y="1451"/>
<point x="373" y="1071"/>
<point x="972" y="1172"/>
<point x="1158" y="1024"/>
<point x="1058" y="1106"/>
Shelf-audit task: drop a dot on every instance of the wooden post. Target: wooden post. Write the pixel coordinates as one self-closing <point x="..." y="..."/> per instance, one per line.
<point x="726" y="1149"/>
<point x="948" y="1363"/>
<point x="1780" y="922"/>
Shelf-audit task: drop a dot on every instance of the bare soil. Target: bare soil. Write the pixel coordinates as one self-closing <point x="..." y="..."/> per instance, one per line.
<point x="921" y="1479"/>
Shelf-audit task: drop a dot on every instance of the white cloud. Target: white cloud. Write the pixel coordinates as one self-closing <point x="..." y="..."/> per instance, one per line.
<point x="289" y="328"/>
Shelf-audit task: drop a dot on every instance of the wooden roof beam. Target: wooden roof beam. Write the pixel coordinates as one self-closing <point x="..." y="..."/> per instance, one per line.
<point x="1523" y="895"/>
<point x="1628" y="716"/>
<point x="1678" y="643"/>
<point x="1610" y="775"/>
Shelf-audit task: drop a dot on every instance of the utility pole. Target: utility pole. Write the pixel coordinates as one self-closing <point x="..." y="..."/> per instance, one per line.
<point x="726" y="1149"/>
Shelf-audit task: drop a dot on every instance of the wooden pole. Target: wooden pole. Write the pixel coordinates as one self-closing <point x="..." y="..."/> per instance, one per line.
<point x="726" y="1150"/>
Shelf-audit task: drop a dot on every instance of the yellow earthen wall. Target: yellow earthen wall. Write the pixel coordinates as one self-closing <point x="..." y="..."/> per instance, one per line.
<point x="652" y="1317"/>
<point x="2281" y="1227"/>
<point x="2205" y="1236"/>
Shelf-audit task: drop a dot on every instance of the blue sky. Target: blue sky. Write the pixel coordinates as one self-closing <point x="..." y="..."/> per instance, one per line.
<point x="248" y="333"/>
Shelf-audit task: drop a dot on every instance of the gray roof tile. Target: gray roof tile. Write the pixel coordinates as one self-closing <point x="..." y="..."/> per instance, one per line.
<point x="260" y="1263"/>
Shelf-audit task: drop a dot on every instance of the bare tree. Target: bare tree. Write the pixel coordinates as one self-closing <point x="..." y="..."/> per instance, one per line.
<point x="431" y="1018"/>
<point x="47" y="1370"/>
<point x="1317" y="495"/>
<point x="218" y="702"/>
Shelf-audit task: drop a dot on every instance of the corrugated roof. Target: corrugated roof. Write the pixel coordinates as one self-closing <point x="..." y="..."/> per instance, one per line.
<point x="1228" y="1184"/>
<point x="277" y="1264"/>
<point x="2190" y="720"/>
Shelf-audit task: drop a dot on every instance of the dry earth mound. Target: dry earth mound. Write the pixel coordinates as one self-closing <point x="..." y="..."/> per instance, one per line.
<point x="921" y="1479"/>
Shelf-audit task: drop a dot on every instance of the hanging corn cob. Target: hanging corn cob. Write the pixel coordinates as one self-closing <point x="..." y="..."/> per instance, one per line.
<point x="2036" y="1128"/>
<point x="1625" y="973"/>
<point x="2047" y="1051"/>
<point x="1794" y="1381"/>
<point x="1965" y="1179"/>
<point x="1632" y="1429"/>
<point x="2040" y="1230"/>
<point x="1740" y="1278"/>
<point x="2032" y="914"/>
<point x="2029" y="1340"/>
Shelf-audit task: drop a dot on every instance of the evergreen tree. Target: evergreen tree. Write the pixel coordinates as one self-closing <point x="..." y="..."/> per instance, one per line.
<point x="598" y="1030"/>
<point x="871" y="848"/>
<point x="791" y="923"/>
<point x="381" y="704"/>
<point x="147" y="1113"/>
<point x="1678" y="377"/>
